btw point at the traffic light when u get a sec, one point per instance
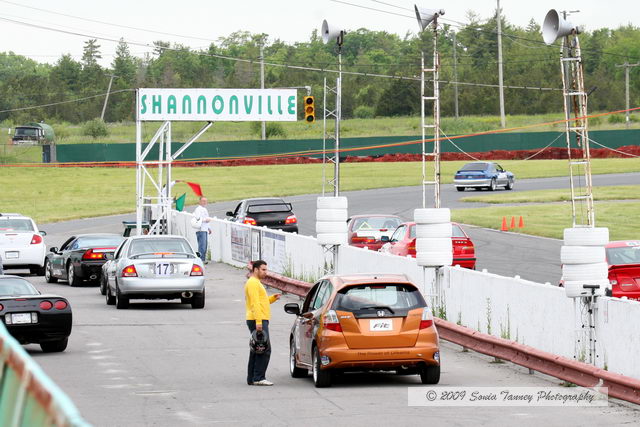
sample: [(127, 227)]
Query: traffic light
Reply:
[(309, 109)]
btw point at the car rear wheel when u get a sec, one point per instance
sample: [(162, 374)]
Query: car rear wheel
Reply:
[(48, 273), (72, 279), (111, 300), (430, 374), (321, 378), (36, 270), (103, 285), (493, 186), (293, 369), (460, 188), (54, 346), (197, 300), (509, 185), (121, 301)]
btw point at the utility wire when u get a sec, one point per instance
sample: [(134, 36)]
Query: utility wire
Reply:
[(65, 102)]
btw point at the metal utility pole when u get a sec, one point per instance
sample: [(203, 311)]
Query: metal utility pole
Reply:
[(455, 76), (264, 124), (626, 66), (106, 99), (500, 79)]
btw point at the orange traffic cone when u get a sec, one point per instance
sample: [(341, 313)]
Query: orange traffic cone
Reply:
[(513, 222), (521, 223), (504, 224)]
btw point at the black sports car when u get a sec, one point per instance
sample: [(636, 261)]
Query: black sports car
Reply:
[(80, 258), (31, 317), (268, 212)]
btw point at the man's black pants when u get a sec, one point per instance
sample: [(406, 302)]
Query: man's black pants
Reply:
[(258, 362)]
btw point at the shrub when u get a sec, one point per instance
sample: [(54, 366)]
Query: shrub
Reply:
[(616, 118), (363, 112), (272, 129), (95, 128)]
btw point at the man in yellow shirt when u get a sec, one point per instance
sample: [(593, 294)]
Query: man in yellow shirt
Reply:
[(258, 314)]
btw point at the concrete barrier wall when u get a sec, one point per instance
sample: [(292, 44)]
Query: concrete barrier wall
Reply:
[(618, 340)]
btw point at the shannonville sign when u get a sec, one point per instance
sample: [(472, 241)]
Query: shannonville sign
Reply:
[(216, 105)]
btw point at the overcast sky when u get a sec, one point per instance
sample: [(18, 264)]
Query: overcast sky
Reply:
[(203, 21)]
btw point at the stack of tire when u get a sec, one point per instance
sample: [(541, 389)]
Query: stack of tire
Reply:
[(433, 237), (584, 261), (331, 221)]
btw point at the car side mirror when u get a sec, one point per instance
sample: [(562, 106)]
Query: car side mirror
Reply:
[(385, 239), (198, 254), (229, 213), (53, 249), (292, 308), (43, 233)]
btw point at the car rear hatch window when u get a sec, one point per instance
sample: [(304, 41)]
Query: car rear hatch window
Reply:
[(379, 315), (160, 248), (269, 214), (15, 286), (100, 241), (624, 267), (15, 232), (374, 227)]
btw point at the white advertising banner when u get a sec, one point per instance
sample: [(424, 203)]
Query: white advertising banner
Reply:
[(236, 105)]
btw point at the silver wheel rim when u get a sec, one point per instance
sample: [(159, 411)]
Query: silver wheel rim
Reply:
[(292, 359), (315, 368), (70, 274), (47, 271), (493, 185)]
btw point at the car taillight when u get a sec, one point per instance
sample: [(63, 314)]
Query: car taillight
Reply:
[(411, 247), (331, 322), (46, 305), (93, 255), (1, 307), (358, 239), (196, 270), (291, 219), (427, 319), (60, 305), (130, 271), (36, 239), (249, 221)]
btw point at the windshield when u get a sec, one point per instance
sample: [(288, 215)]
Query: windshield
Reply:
[(26, 132), (474, 167), (457, 231), (269, 207), (15, 286), (160, 248), (393, 296), (99, 241), (624, 255), (375, 223), (10, 225)]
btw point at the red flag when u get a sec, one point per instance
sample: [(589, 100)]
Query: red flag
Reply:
[(195, 187)]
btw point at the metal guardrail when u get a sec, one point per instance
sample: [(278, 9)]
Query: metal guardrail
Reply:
[(28, 397), (573, 371)]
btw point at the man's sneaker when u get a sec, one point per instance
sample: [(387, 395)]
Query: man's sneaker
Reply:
[(262, 382)]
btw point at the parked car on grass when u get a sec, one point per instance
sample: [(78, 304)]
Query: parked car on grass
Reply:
[(80, 258), (487, 175), (623, 258), (367, 230), (361, 323), (403, 243), (155, 267), (21, 243), (31, 317), (272, 213)]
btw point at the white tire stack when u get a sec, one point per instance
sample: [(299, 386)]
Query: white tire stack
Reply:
[(433, 237), (584, 261), (331, 220)]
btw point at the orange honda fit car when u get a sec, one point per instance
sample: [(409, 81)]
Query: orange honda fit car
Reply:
[(360, 323)]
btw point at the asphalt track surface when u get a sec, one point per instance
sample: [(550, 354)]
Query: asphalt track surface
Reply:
[(165, 364), (504, 253)]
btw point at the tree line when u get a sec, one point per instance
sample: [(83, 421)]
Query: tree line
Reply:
[(527, 62)]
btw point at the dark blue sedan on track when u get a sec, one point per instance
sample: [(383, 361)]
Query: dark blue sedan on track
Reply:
[(487, 175)]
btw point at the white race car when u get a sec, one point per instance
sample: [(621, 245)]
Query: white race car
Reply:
[(21, 243)]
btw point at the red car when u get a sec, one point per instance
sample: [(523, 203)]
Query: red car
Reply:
[(367, 230), (623, 258), (403, 242)]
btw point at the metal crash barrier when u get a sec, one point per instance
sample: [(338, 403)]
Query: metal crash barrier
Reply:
[(28, 397)]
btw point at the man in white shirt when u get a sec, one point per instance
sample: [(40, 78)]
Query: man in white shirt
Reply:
[(202, 214)]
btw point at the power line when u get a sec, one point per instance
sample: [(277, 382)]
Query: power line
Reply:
[(255, 61), (64, 102), (106, 23)]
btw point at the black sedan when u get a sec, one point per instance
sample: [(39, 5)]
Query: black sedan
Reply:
[(80, 258), (272, 213), (31, 317)]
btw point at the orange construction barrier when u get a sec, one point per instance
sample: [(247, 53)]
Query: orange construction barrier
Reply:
[(521, 223), (513, 222), (504, 224)]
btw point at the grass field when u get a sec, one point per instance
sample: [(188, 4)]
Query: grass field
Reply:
[(614, 192), (55, 194), (622, 218), (67, 133)]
